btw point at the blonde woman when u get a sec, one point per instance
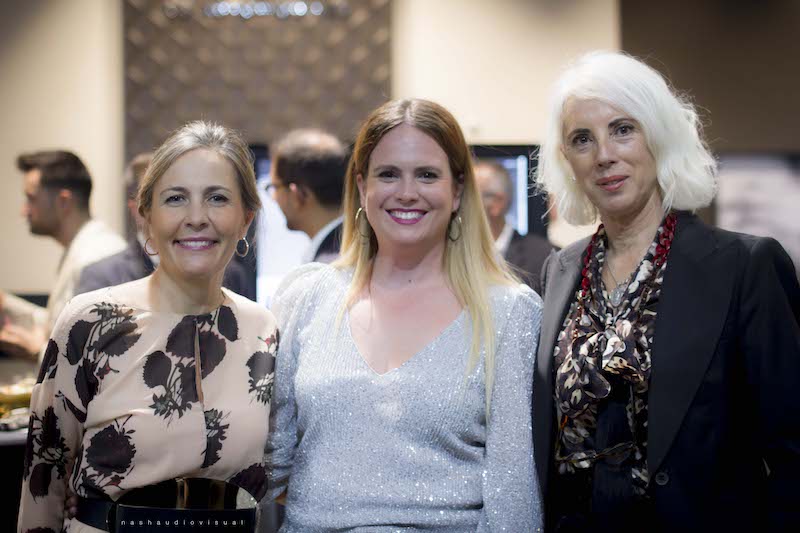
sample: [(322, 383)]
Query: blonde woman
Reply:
[(403, 381), (151, 392)]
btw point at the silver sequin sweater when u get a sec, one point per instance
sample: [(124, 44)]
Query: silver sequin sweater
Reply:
[(409, 450)]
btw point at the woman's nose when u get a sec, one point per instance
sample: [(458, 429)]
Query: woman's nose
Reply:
[(408, 189), (605, 153), (197, 216)]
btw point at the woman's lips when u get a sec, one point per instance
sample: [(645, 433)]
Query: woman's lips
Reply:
[(406, 216), (195, 245), (611, 183)]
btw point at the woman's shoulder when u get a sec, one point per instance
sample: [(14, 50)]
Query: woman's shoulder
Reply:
[(515, 298), (84, 304), (308, 283), (247, 309), (310, 276)]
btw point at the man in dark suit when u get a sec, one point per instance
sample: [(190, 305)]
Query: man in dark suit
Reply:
[(307, 182), (134, 262), (526, 254)]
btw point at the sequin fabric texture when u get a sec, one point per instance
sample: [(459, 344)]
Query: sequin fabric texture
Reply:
[(408, 450)]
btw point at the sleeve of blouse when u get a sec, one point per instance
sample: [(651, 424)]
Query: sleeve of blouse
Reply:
[(290, 307), (770, 332), (55, 429), (511, 497)]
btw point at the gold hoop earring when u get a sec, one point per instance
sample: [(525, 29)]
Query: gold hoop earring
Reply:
[(358, 226), (246, 247), (148, 251), (455, 222)]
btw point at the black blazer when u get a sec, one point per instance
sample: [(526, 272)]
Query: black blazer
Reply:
[(331, 243), (526, 254), (133, 263), (724, 406)]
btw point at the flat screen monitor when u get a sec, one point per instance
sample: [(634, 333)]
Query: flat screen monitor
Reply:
[(528, 207)]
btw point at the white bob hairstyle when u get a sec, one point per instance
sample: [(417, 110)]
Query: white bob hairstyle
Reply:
[(686, 170)]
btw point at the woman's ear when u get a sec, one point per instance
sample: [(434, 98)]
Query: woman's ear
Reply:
[(458, 191), (248, 219), (362, 189)]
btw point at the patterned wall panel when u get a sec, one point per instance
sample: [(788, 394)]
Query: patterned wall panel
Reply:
[(260, 67)]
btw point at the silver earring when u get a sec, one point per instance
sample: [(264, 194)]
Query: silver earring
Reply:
[(246, 247)]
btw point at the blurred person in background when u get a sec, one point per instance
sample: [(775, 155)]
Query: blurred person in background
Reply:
[(57, 189), (155, 394), (526, 254), (136, 261), (403, 380), (669, 364), (307, 182)]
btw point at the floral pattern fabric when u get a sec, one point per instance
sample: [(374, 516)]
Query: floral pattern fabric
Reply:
[(128, 397), (601, 347)]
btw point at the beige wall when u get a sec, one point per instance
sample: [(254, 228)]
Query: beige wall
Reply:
[(61, 65), (491, 62)]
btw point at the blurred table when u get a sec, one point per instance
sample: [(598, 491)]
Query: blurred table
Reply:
[(12, 446)]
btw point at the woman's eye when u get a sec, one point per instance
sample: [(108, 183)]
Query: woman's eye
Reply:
[(173, 199), (387, 174), (580, 140), (428, 176), (218, 199), (624, 129)]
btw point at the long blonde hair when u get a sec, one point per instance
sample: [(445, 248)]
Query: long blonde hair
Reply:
[(471, 263)]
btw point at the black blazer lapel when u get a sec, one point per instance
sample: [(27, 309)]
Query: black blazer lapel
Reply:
[(692, 310), (562, 272)]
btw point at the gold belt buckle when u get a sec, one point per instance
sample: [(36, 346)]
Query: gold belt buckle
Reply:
[(182, 493)]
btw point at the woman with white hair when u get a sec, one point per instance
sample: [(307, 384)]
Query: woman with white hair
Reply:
[(403, 379), (669, 363)]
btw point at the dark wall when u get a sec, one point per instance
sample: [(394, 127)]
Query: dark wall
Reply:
[(739, 59)]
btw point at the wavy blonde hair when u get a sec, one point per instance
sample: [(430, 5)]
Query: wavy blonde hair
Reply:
[(471, 264)]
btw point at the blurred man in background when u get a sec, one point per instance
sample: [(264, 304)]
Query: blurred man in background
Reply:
[(134, 262), (57, 189), (526, 254), (307, 180)]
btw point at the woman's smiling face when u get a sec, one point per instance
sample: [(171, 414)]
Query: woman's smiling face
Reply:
[(197, 216), (409, 193)]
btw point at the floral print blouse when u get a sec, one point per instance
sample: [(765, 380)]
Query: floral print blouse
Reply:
[(128, 397), (603, 355)]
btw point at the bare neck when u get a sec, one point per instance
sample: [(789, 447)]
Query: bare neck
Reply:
[(497, 225), (186, 297), (403, 270), (317, 218), (70, 226), (629, 237)]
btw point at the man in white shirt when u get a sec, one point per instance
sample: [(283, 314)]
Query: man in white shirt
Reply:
[(526, 254), (57, 190), (307, 181)]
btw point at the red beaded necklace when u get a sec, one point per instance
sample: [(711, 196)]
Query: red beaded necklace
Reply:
[(662, 250)]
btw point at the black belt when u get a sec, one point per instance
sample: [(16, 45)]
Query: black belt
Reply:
[(192, 505)]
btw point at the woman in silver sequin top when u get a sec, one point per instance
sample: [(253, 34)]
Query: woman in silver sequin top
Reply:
[(404, 373)]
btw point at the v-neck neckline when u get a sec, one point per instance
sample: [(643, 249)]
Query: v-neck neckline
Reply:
[(457, 320)]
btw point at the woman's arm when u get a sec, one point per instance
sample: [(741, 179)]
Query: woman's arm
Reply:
[(291, 309), (511, 497), (769, 317), (54, 433)]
